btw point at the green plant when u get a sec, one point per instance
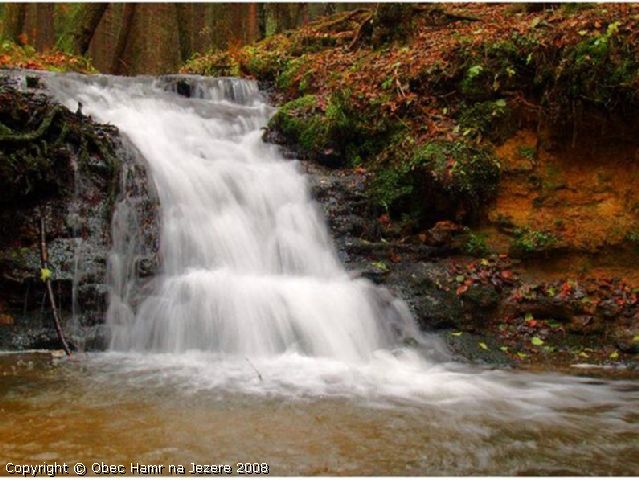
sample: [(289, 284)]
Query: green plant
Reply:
[(463, 169), (476, 245), (529, 241), (489, 118)]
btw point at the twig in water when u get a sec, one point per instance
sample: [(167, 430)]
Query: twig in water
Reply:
[(259, 375)]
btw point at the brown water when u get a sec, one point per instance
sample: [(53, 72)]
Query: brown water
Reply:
[(93, 409)]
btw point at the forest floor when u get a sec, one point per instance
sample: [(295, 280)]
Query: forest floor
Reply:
[(26, 57), (495, 152)]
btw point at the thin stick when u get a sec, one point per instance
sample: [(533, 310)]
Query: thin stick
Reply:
[(44, 260), (256, 370)]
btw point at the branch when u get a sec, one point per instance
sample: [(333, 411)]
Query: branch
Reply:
[(46, 277)]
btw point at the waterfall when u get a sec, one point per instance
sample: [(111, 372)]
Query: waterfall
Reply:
[(249, 294), (247, 265)]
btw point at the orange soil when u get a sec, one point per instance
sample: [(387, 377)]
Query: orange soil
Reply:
[(586, 196)]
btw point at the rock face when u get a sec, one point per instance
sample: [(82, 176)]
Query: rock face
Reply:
[(64, 167)]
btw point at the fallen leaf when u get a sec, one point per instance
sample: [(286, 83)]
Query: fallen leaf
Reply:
[(537, 342), (45, 274)]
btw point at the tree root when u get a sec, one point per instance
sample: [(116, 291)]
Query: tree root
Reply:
[(36, 134)]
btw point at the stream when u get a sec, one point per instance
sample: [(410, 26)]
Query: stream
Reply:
[(252, 343)]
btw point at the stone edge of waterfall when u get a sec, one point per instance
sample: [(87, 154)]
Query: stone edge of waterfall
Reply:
[(84, 182)]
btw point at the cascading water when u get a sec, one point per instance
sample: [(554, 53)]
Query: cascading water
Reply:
[(247, 265), (250, 295)]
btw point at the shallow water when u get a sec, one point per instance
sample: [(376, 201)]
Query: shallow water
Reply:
[(168, 409)]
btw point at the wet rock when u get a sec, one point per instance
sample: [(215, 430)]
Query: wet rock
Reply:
[(70, 173)]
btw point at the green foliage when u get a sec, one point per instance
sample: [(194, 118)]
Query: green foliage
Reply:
[(460, 170), (528, 241), (302, 122), (527, 152), (16, 56), (469, 83), (602, 70), (491, 119), (465, 170), (476, 245)]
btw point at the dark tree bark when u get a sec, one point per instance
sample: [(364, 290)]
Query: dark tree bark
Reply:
[(329, 8), (184, 16), (252, 30), (45, 34), (118, 66), (85, 22), (199, 33), (391, 21), (14, 21), (262, 14)]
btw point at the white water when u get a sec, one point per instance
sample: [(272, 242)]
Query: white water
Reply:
[(248, 267), (251, 296)]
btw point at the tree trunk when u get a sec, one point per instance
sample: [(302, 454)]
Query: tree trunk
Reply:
[(118, 67), (252, 30), (45, 35), (200, 40), (262, 14), (14, 21), (184, 15), (85, 22), (391, 21)]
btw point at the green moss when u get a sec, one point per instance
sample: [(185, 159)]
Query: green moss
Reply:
[(439, 175), (301, 122), (465, 170), (337, 130)]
